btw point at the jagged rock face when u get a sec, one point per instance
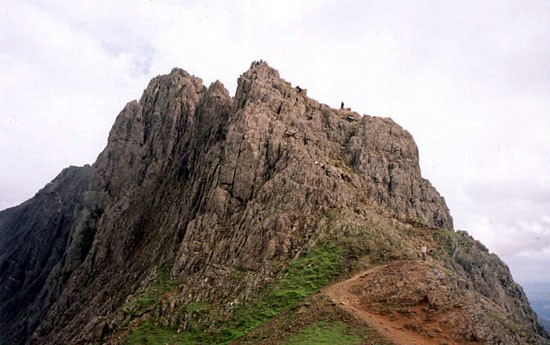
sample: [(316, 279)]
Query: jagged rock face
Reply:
[(492, 279), (197, 181), (43, 241)]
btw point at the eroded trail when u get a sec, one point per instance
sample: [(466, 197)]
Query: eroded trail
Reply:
[(400, 329)]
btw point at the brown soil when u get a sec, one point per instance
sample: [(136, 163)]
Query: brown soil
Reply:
[(317, 308), (377, 297)]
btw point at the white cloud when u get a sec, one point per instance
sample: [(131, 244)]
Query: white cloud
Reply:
[(57, 99)]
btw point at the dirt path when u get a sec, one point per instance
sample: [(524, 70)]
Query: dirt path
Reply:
[(393, 330)]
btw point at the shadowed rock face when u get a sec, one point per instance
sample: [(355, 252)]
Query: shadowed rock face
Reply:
[(193, 180)]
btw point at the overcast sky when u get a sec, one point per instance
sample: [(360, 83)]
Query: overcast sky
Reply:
[(469, 79)]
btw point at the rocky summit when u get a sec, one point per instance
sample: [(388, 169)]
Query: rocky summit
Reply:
[(263, 218)]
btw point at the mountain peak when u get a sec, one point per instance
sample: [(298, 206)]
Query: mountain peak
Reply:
[(261, 70), (202, 204), (261, 83)]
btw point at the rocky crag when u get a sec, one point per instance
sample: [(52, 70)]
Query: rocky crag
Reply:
[(207, 218)]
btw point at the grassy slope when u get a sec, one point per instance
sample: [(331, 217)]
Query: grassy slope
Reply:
[(303, 277), (320, 333), (288, 311)]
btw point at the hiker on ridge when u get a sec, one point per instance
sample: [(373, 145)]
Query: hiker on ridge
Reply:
[(424, 251)]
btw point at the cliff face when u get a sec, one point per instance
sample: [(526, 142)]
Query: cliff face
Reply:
[(196, 185)]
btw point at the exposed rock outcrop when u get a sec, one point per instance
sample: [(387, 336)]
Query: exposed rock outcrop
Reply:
[(197, 184)]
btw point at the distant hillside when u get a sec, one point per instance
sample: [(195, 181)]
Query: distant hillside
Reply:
[(266, 217), (545, 323), (539, 299), (542, 308)]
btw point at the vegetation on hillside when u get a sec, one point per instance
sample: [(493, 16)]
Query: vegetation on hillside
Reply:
[(303, 277), (321, 333)]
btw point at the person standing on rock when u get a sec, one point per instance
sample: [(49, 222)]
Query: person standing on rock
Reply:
[(424, 251)]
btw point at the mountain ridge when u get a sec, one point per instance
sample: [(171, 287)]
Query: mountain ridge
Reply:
[(199, 186)]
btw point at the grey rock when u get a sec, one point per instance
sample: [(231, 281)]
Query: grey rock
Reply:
[(201, 184)]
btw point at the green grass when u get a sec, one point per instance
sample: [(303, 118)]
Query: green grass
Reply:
[(303, 277), (148, 333), (508, 324), (321, 333), (446, 239), (162, 285)]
